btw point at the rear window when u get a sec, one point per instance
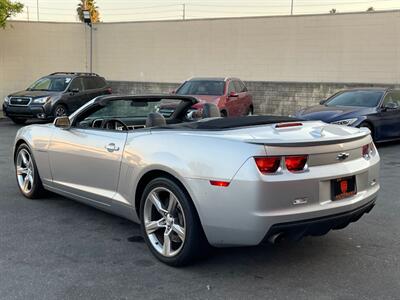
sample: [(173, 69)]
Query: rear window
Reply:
[(100, 82), (92, 83), (202, 87)]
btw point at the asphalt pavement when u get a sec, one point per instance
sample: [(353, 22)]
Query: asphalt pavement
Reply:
[(56, 248)]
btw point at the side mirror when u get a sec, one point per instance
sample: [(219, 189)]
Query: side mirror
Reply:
[(74, 91), (390, 106), (233, 95), (322, 102), (62, 122)]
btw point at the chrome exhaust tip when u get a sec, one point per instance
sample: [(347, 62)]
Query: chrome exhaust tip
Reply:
[(275, 238)]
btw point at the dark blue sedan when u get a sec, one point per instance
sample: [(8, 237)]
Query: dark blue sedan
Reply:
[(375, 108)]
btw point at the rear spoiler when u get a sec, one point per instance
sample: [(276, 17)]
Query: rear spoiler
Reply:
[(364, 132)]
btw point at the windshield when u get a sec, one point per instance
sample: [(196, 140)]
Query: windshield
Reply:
[(356, 98), (54, 84), (131, 109), (203, 87)]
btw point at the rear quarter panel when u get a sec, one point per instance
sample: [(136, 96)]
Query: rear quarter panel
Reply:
[(184, 155)]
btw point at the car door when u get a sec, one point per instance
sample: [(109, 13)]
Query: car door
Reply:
[(389, 116), (232, 100), (86, 162), (242, 105), (76, 95)]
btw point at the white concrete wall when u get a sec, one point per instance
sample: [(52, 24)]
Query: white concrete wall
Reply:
[(31, 50), (361, 48), (326, 48)]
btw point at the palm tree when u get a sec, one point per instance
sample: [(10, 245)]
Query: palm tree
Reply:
[(89, 5)]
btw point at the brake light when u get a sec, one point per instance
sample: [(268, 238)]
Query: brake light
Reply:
[(296, 163), (268, 164), (285, 125), (219, 183)]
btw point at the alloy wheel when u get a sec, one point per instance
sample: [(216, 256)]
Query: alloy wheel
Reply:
[(60, 111), (25, 171), (164, 222)]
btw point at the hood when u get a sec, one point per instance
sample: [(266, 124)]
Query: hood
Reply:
[(33, 94), (333, 113)]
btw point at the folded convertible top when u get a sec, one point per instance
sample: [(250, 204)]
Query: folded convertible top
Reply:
[(233, 122)]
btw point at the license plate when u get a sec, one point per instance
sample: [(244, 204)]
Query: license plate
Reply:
[(343, 187)]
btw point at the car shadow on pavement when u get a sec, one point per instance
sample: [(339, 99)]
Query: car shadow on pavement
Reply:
[(75, 213)]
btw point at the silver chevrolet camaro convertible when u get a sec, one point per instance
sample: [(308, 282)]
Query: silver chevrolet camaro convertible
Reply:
[(195, 180)]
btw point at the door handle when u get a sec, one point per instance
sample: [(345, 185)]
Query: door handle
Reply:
[(112, 147)]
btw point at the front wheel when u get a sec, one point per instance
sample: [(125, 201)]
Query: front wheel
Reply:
[(60, 110), (367, 125), (169, 223), (224, 114), (28, 178)]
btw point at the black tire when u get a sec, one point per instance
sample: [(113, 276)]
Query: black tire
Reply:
[(195, 241), (370, 127), (19, 121), (224, 114), (60, 110), (36, 191), (250, 111)]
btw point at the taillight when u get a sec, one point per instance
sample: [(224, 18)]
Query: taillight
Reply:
[(268, 164), (367, 150), (296, 163)]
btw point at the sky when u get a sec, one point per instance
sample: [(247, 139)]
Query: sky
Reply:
[(142, 10)]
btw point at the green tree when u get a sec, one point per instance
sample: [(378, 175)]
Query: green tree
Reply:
[(333, 11), (8, 9), (370, 9), (89, 5)]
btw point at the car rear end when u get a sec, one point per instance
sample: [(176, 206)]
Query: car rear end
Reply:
[(313, 178)]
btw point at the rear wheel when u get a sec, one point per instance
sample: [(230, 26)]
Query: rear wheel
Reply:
[(250, 111), (18, 120), (169, 223), (28, 178)]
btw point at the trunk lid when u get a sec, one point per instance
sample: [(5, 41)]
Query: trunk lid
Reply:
[(307, 134)]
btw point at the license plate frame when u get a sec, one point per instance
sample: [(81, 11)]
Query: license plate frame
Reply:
[(343, 187)]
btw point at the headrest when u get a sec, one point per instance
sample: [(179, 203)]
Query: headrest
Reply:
[(210, 110), (155, 119)]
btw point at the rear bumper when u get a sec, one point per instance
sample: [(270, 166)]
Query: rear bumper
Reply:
[(28, 112), (318, 226), (256, 206)]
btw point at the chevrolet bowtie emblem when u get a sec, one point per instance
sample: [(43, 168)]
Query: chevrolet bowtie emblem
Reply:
[(342, 156)]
